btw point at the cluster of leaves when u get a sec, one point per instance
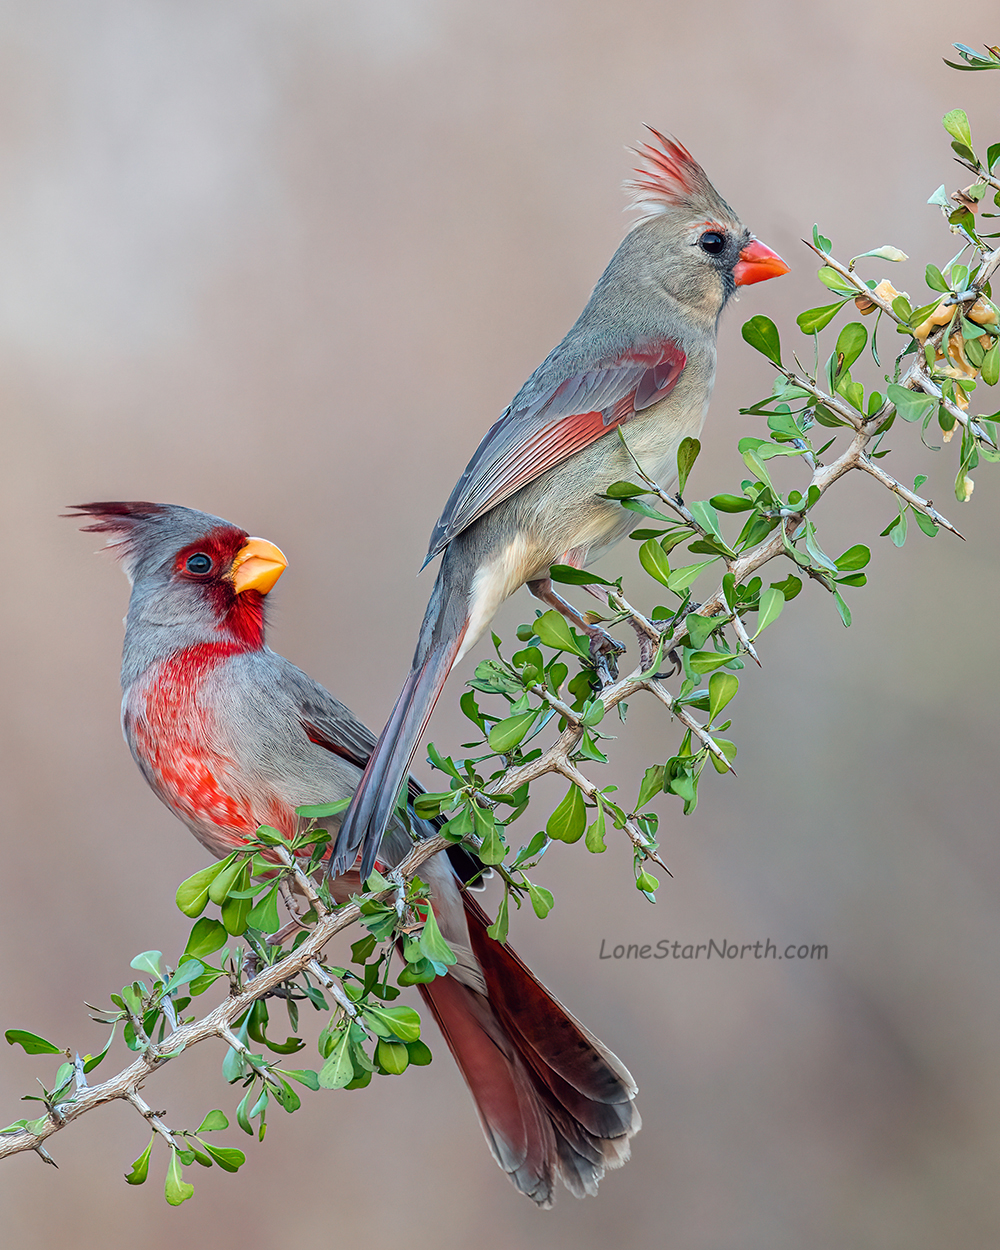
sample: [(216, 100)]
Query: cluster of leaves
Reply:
[(244, 888)]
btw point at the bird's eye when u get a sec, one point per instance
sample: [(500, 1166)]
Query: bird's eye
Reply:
[(198, 563), (712, 242)]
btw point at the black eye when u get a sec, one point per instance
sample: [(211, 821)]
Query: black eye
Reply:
[(712, 242), (198, 563)]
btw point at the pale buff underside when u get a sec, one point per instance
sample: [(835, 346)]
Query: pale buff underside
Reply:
[(590, 528)]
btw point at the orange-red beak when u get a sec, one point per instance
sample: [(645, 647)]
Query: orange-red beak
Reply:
[(757, 263)]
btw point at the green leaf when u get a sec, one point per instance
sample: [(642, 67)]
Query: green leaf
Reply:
[(432, 943), (835, 281), (265, 915), (687, 454), (338, 1070), (708, 519), (935, 279), (782, 424), (853, 558), (140, 1168), (731, 503), (842, 608), (568, 821), (305, 1076), (552, 629), (911, 405), (176, 1190), (790, 587), (815, 319), (728, 749), (214, 1122), (771, 603), (646, 882), (850, 344), (623, 490), (236, 910), (653, 559), (319, 811), (595, 833), (32, 1043), (991, 364), (420, 1055), (652, 784), (498, 929), (506, 734), (592, 714), (541, 899), (957, 125), (643, 509), (402, 1023), (762, 334), (700, 628), (189, 971), (722, 687), (232, 877), (680, 579), (536, 846), (925, 523), (492, 850), (90, 1062), (705, 661), (823, 244), (192, 894), (567, 574), (393, 1057), (227, 1157), (148, 961), (206, 937), (233, 1064), (886, 252)]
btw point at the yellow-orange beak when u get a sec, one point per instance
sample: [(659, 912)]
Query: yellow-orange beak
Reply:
[(757, 263), (257, 566)]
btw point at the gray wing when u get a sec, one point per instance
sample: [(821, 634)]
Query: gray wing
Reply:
[(548, 423), (332, 725)]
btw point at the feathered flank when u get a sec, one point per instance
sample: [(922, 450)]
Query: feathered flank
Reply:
[(670, 177)]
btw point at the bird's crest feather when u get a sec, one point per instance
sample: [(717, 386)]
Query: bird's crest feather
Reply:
[(669, 177)]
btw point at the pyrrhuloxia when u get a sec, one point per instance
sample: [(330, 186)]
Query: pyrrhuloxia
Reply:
[(641, 357), (232, 736)]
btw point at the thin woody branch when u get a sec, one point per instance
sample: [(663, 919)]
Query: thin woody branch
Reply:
[(217, 1023)]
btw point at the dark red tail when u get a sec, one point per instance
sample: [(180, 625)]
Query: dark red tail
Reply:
[(554, 1102)]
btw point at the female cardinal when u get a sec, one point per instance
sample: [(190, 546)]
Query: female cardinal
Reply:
[(640, 357), (232, 736)]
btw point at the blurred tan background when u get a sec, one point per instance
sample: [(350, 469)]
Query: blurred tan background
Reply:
[(285, 262)]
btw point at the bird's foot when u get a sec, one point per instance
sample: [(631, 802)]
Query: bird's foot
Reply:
[(604, 653)]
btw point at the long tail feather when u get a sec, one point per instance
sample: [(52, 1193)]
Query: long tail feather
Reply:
[(441, 634), (553, 1101)]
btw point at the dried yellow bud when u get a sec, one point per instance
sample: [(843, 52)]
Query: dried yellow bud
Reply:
[(885, 290), (964, 200), (939, 317), (983, 313)]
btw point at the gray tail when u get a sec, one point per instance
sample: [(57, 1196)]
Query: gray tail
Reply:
[(441, 634)]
